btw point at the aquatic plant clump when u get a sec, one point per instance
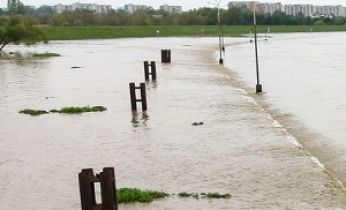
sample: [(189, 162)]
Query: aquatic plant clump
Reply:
[(33, 112), (65, 110), (45, 55), (130, 195), (78, 110), (216, 195)]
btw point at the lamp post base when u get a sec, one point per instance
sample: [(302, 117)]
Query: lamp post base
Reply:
[(258, 88), (220, 61)]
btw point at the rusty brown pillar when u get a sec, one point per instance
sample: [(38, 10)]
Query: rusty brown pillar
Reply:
[(87, 189), (133, 96)]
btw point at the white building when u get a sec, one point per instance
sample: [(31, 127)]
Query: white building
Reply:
[(131, 8), (171, 9), (242, 4), (271, 8), (329, 11), (299, 9), (97, 8)]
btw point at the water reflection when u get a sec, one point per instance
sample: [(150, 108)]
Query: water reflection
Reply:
[(151, 84), (20, 59), (139, 118)]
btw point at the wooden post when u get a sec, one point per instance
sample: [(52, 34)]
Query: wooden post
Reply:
[(87, 189), (146, 70), (107, 192), (111, 170), (166, 56), (134, 99), (143, 97), (133, 96), (153, 70)]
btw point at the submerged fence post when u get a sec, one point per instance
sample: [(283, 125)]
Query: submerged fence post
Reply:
[(133, 96), (134, 99), (87, 189), (146, 70), (87, 179), (166, 56), (152, 70)]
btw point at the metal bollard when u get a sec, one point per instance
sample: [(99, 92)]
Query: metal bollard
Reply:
[(134, 99), (152, 70), (166, 56)]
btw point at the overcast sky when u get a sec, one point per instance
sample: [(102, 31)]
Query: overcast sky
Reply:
[(187, 4)]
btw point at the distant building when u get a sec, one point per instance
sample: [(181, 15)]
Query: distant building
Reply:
[(305, 10), (171, 9), (329, 11), (131, 8), (97, 8), (271, 8)]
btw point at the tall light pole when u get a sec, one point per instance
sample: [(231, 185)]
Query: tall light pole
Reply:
[(221, 47), (258, 85)]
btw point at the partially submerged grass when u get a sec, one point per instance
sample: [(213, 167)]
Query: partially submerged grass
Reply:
[(130, 195), (65, 110), (45, 55), (216, 195), (187, 195), (33, 112), (78, 110)]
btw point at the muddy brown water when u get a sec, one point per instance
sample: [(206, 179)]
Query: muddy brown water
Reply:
[(241, 149)]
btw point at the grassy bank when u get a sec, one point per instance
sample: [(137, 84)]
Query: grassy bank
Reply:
[(107, 32)]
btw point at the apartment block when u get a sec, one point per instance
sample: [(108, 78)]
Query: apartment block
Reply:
[(171, 9), (97, 8), (132, 8)]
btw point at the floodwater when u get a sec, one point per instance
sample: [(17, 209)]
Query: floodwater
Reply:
[(242, 149), (303, 77)]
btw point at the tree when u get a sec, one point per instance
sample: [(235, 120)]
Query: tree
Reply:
[(15, 7), (18, 30)]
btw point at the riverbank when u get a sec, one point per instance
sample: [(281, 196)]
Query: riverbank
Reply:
[(108, 32)]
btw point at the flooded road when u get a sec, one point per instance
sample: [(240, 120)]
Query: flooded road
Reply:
[(240, 149), (304, 81)]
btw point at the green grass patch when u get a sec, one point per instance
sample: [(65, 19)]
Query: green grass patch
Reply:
[(110, 32), (130, 195), (33, 112), (45, 55), (65, 110), (78, 110)]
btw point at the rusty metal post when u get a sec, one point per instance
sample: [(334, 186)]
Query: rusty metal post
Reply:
[(153, 70), (166, 56), (133, 96), (114, 186), (107, 191), (146, 70), (143, 97), (87, 189)]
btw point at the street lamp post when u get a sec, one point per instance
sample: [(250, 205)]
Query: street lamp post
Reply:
[(258, 85), (221, 45)]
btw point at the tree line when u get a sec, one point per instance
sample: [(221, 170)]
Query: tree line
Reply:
[(202, 16)]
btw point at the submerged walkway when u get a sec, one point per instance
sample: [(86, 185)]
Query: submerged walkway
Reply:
[(239, 149)]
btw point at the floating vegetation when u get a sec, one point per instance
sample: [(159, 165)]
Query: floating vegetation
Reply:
[(78, 110), (65, 110), (131, 195), (187, 195), (204, 195), (33, 112), (197, 123), (216, 195), (45, 55)]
